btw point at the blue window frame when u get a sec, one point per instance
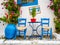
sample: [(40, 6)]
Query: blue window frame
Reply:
[(34, 2)]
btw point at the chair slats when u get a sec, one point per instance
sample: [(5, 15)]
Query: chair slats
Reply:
[(22, 21), (44, 31)]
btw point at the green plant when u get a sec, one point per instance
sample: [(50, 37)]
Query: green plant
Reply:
[(33, 12), (57, 25), (56, 7), (13, 12)]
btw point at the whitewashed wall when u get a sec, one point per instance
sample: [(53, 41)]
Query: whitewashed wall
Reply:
[(45, 12)]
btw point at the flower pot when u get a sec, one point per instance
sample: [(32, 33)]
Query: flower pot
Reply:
[(33, 20), (10, 31)]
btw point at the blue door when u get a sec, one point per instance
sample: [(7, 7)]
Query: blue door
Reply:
[(27, 2)]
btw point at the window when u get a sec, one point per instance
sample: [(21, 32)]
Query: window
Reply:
[(30, 0), (38, 11), (26, 1)]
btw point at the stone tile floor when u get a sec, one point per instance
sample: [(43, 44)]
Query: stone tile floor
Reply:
[(27, 38), (38, 38), (27, 42), (32, 41)]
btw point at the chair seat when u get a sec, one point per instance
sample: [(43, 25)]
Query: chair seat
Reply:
[(21, 27), (46, 27)]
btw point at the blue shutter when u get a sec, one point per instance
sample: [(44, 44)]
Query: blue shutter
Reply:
[(18, 2), (35, 2)]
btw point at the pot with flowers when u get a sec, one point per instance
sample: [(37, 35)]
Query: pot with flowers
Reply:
[(33, 14), (11, 18)]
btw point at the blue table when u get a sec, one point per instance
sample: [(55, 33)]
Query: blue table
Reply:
[(31, 24)]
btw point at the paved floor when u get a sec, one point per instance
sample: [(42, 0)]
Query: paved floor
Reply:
[(28, 42), (31, 41)]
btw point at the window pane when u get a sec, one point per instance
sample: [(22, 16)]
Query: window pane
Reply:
[(30, 0), (24, 1)]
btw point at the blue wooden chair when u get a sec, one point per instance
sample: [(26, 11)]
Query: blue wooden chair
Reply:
[(22, 22), (45, 30)]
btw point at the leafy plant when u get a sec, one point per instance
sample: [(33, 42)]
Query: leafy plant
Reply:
[(57, 26), (13, 12), (56, 7), (33, 12)]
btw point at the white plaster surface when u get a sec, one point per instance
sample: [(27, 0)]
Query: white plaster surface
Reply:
[(45, 12)]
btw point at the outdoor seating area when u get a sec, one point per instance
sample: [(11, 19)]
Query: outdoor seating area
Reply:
[(21, 29), (30, 21)]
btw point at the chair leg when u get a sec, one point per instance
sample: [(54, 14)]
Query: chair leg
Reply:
[(42, 34), (50, 36), (19, 32), (51, 33), (24, 34)]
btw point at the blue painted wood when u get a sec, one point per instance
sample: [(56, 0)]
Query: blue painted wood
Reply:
[(35, 2), (44, 32), (22, 21), (51, 33), (47, 20)]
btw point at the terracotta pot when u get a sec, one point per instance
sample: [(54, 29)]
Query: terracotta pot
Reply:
[(33, 20)]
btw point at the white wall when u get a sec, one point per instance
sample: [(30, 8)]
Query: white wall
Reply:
[(45, 12)]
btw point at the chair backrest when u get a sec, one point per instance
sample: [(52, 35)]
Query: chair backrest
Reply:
[(45, 21), (21, 21)]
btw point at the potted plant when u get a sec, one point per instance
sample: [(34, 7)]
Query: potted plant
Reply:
[(11, 18), (33, 14)]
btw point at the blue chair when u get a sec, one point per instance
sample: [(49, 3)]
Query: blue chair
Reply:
[(47, 31), (22, 22)]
